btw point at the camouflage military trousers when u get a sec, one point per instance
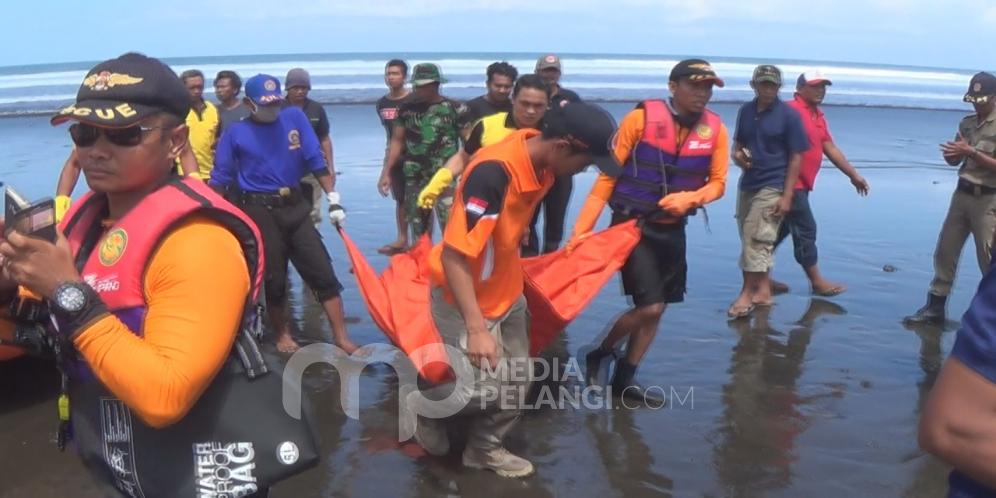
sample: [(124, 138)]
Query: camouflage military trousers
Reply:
[(420, 220)]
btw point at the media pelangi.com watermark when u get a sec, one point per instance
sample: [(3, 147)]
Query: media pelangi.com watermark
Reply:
[(511, 384)]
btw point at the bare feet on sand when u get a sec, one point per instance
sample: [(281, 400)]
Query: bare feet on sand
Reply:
[(778, 287), (287, 344), (346, 345)]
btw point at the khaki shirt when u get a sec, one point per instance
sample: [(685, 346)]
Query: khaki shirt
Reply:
[(982, 136)]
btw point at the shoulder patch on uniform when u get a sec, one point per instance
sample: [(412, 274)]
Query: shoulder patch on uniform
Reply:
[(477, 206)]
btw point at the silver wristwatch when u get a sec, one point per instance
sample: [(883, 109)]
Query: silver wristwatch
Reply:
[(71, 297)]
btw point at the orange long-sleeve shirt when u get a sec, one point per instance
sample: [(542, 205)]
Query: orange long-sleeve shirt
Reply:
[(629, 134), (196, 284)]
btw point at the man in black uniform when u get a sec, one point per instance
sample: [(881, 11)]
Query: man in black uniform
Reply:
[(501, 77), (298, 84), (554, 205)]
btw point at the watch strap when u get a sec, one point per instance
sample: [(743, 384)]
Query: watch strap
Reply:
[(73, 323)]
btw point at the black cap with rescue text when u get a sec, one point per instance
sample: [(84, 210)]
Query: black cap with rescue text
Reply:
[(695, 70), (121, 92)]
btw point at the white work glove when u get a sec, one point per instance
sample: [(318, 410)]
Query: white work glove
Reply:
[(337, 215)]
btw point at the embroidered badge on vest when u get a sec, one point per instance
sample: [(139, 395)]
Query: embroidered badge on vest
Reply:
[(113, 247)]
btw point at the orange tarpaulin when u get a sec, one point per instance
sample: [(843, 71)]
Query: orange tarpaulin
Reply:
[(398, 302), (558, 286)]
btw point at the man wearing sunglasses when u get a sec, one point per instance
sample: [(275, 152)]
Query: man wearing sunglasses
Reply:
[(260, 161), (973, 204), (150, 324)]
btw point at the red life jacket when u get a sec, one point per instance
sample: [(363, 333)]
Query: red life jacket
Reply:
[(657, 166), (115, 268), (116, 265)]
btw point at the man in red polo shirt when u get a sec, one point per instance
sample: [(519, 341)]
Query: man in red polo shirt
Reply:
[(811, 88)]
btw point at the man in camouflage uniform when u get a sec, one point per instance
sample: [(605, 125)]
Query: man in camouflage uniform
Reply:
[(426, 134)]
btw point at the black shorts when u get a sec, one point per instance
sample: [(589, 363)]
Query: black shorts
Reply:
[(288, 233), (398, 183), (656, 270)]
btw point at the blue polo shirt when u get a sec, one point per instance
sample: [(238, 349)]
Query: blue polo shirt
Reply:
[(263, 157), (771, 136), (975, 347)]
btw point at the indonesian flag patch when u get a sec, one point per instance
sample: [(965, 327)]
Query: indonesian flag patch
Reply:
[(477, 206)]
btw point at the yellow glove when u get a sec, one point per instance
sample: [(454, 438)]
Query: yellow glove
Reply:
[(679, 203), (427, 197), (62, 203)]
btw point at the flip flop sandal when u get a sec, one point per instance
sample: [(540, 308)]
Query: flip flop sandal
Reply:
[(740, 312), (836, 291)]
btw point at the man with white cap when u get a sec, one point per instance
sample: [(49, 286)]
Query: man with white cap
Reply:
[(810, 90)]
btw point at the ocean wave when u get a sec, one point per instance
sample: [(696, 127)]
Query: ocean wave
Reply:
[(357, 80)]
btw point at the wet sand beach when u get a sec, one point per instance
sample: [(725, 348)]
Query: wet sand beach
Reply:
[(812, 397)]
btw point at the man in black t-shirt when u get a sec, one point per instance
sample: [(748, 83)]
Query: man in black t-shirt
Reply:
[(554, 205), (395, 74), (549, 68), (298, 84), (227, 85), (501, 77)]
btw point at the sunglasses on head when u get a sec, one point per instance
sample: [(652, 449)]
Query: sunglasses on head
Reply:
[(85, 135)]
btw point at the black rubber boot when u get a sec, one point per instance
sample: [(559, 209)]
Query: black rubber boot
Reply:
[(931, 313), (624, 384), (597, 363)]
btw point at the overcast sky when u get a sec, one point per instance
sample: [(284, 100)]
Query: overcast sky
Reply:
[(957, 33)]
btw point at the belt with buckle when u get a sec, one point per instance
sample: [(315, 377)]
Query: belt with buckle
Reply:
[(284, 196), (974, 189)]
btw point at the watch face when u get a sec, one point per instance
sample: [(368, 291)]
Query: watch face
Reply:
[(70, 298)]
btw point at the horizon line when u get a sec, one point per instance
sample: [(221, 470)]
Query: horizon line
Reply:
[(402, 54)]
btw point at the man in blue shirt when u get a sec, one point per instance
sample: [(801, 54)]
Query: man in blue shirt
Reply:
[(768, 146), (958, 422), (260, 162)]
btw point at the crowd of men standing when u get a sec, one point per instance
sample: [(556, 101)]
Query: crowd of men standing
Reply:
[(517, 147)]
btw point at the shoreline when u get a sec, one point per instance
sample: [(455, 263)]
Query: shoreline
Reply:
[(30, 114)]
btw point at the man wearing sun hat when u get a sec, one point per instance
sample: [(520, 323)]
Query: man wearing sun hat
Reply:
[(810, 90), (973, 204), (675, 158), (260, 161), (426, 134)]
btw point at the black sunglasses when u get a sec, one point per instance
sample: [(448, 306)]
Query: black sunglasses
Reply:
[(85, 135)]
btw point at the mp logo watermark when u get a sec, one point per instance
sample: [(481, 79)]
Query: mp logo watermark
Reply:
[(506, 385)]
